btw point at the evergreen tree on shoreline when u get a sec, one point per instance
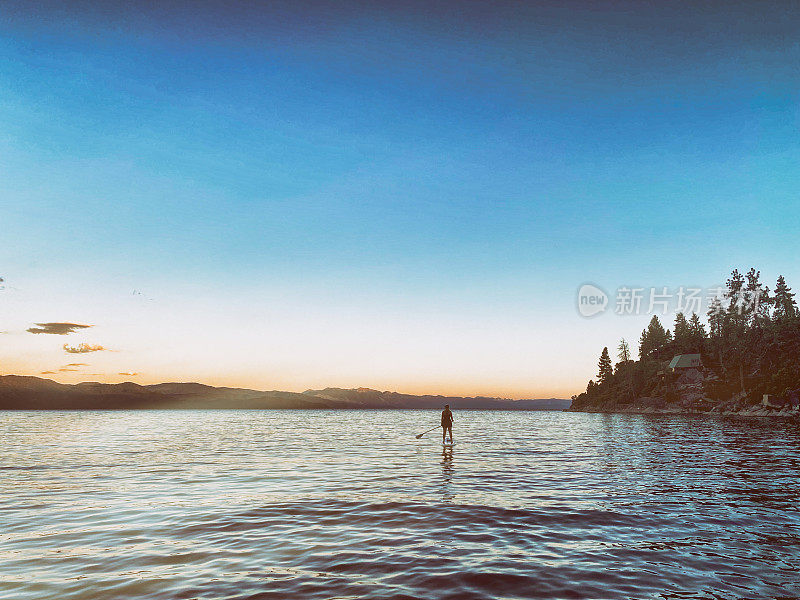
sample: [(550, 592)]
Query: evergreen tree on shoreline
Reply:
[(624, 351), (697, 334), (681, 337), (783, 301), (653, 338), (757, 298), (605, 371)]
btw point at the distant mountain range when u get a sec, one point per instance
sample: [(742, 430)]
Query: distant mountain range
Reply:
[(34, 393)]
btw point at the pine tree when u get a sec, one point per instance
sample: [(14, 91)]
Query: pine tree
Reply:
[(733, 342), (716, 318), (735, 285), (697, 334), (624, 351), (653, 338), (604, 367), (757, 298), (785, 306), (696, 327), (644, 345), (681, 328)]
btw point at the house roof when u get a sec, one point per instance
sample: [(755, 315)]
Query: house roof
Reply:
[(682, 361)]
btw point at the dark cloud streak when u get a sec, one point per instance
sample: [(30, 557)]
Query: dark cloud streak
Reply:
[(57, 328)]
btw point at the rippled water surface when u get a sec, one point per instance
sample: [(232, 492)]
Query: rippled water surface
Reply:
[(348, 504)]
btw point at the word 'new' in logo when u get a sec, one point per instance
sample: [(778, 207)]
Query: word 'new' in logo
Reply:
[(591, 300)]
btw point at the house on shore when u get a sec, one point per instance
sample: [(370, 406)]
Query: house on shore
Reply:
[(682, 362)]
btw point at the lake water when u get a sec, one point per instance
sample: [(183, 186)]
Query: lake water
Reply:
[(348, 504)]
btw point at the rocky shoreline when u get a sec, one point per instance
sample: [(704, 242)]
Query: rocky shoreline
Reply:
[(684, 391), (722, 410)]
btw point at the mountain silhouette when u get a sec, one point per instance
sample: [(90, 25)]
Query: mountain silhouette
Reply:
[(19, 392)]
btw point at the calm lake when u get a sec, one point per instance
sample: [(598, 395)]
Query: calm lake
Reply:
[(348, 504)]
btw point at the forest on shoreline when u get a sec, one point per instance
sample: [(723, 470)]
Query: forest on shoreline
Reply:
[(749, 347)]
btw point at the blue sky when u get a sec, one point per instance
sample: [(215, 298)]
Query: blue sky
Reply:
[(441, 178)]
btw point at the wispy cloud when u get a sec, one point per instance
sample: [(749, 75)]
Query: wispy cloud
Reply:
[(73, 367), (57, 328), (129, 374), (47, 373), (82, 348)]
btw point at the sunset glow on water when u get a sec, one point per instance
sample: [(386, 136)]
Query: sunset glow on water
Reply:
[(348, 504)]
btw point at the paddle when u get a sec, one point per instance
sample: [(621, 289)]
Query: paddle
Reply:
[(424, 432)]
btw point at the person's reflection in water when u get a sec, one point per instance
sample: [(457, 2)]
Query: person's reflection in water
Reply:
[(447, 475)]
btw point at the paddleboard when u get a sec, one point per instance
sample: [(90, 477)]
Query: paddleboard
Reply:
[(448, 444)]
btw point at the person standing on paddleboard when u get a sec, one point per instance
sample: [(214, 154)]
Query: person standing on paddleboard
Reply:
[(447, 423)]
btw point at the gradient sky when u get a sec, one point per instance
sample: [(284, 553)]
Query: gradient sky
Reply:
[(401, 196)]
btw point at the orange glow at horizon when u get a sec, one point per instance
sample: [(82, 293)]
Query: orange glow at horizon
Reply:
[(433, 388), (249, 338)]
